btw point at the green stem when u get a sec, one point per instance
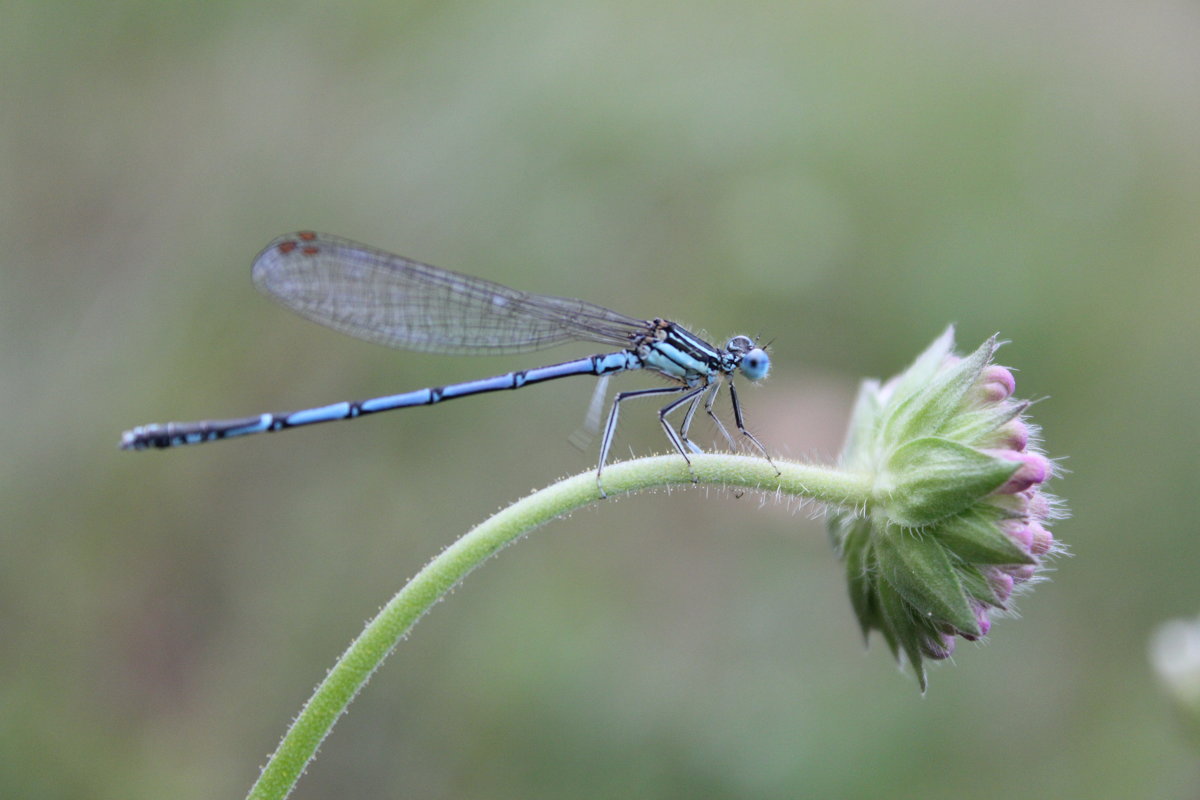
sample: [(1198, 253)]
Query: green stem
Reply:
[(382, 634)]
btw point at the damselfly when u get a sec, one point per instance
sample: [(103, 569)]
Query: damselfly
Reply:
[(385, 298)]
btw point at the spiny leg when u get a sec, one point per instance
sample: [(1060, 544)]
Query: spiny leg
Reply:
[(710, 391), (687, 424), (708, 407), (741, 426), (676, 439), (610, 427)]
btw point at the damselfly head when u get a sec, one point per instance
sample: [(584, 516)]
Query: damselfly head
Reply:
[(752, 361)]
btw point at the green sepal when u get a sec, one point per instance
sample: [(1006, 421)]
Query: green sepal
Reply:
[(863, 425), (839, 524), (883, 622), (925, 367), (925, 411), (931, 478), (977, 424), (860, 574), (916, 565), (904, 632), (976, 538), (978, 586)]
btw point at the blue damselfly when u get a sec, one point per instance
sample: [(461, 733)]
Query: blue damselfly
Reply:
[(385, 298)]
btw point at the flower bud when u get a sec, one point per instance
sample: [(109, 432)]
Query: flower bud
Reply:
[(1013, 435), (1043, 541), (1032, 468), (996, 384), (956, 515)]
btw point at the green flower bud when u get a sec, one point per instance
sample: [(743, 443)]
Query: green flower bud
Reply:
[(956, 515)]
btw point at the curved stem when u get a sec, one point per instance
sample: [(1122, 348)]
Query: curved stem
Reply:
[(393, 622)]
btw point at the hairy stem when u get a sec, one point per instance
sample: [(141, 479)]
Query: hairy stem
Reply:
[(384, 632)]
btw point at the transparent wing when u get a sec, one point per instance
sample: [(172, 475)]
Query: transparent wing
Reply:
[(385, 298)]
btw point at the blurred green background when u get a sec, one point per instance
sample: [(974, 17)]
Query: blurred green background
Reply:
[(843, 179)]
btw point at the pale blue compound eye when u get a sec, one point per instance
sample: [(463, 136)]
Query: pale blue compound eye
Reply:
[(756, 364)]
